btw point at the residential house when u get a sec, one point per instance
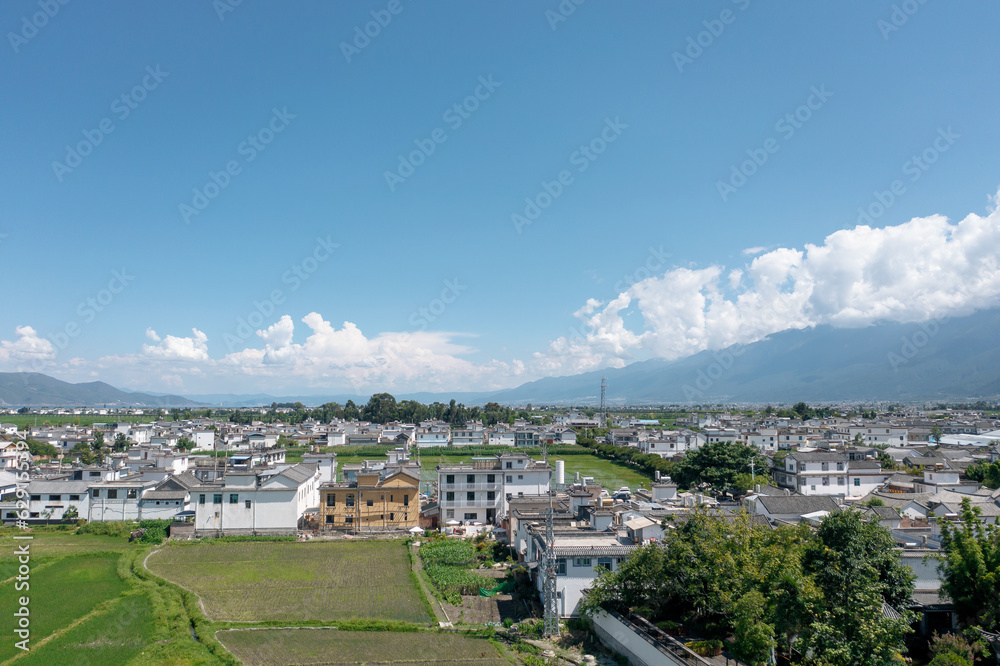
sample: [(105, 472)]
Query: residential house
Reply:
[(813, 473), (383, 499)]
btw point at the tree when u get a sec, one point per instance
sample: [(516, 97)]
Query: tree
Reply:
[(969, 567), (381, 408), (98, 444), (855, 564), (72, 513), (41, 449), (953, 650), (936, 434), (84, 453), (185, 444), (718, 464), (120, 444)]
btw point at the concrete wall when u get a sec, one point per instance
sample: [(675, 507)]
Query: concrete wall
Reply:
[(627, 639)]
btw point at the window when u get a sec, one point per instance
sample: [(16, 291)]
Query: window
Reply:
[(825, 466), (449, 496), (857, 482), (520, 477), (392, 517), (450, 513), (471, 496), (36, 498), (329, 519), (331, 499), (348, 520), (490, 496), (390, 498), (74, 498), (840, 467), (491, 478), (406, 500), (840, 480), (247, 504), (132, 493), (471, 516), (581, 562), (510, 479), (112, 493), (217, 498), (449, 478), (349, 502), (55, 498), (510, 465), (201, 498), (234, 498), (470, 478), (370, 502), (604, 562), (826, 480), (561, 566)]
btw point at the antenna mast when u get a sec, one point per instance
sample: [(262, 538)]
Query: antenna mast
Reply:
[(549, 592)]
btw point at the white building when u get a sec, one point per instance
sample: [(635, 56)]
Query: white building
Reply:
[(479, 491), (813, 473), (252, 502)]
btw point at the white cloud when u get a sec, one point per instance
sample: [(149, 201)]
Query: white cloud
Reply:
[(27, 349), (173, 348), (751, 251), (925, 268)]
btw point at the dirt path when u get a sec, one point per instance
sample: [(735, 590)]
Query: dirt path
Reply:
[(439, 612)]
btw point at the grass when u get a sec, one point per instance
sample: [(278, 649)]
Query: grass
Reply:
[(296, 582), (610, 474), (48, 546), (59, 595), (326, 646), (22, 421), (112, 637)]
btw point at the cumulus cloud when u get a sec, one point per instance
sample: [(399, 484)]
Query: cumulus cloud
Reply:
[(925, 268), (330, 355), (173, 348), (27, 348)]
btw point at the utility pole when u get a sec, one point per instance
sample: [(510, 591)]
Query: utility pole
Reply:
[(549, 592)]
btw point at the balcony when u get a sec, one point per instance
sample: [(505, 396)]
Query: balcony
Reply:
[(472, 486), (464, 503)]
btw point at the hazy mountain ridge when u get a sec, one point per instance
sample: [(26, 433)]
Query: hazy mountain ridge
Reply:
[(33, 389)]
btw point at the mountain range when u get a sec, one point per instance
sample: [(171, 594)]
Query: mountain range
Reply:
[(954, 359)]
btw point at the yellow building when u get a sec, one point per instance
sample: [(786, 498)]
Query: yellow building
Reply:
[(382, 498)]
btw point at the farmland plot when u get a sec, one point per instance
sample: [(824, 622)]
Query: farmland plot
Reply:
[(328, 646), (289, 581)]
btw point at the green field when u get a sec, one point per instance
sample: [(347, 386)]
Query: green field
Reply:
[(289, 581), (326, 646), (22, 421), (612, 475), (48, 546), (110, 638), (59, 595)]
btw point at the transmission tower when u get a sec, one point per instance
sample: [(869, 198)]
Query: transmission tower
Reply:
[(549, 584), (604, 401)]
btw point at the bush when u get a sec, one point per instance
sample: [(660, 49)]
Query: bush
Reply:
[(114, 529)]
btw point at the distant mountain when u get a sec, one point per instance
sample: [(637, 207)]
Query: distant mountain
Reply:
[(956, 359), (33, 389)]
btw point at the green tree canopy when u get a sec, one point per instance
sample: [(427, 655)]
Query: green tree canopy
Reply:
[(969, 566), (718, 464)]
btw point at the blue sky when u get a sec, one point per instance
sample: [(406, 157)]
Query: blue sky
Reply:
[(440, 286)]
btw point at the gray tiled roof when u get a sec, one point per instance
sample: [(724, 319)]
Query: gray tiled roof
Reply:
[(798, 504)]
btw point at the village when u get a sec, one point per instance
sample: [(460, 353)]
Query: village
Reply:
[(508, 484)]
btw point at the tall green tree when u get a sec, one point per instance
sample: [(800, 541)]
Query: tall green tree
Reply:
[(969, 566), (857, 567), (718, 464)]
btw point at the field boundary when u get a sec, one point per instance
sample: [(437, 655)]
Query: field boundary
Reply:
[(201, 604), (96, 610)]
